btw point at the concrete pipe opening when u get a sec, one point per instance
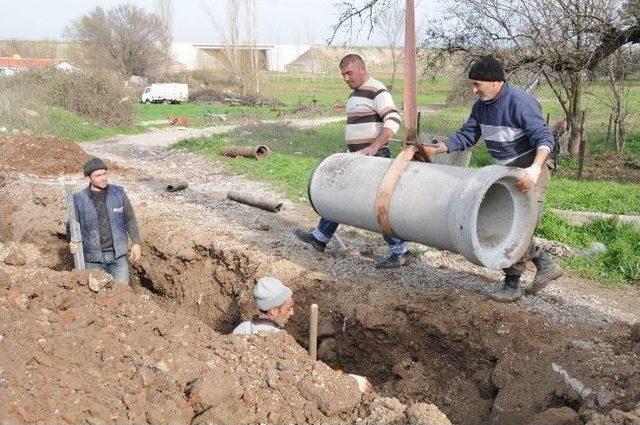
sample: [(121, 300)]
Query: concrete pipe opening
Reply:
[(261, 152), (495, 216)]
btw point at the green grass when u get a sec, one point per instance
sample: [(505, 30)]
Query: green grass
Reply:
[(609, 197), (196, 113), (68, 125), (285, 170), (619, 264)]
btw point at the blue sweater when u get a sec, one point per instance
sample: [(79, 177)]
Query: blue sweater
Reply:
[(511, 126)]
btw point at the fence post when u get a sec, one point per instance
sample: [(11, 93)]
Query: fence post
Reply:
[(581, 152), (606, 141)]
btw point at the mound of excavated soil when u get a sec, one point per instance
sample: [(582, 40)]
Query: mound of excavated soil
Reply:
[(79, 349), (44, 156)]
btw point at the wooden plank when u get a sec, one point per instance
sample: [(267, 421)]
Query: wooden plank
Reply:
[(74, 226)]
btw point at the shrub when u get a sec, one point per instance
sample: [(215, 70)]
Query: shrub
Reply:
[(98, 98)]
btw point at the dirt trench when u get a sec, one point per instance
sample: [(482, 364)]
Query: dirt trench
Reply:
[(479, 361)]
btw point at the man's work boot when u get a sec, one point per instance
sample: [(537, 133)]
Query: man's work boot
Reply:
[(393, 261), (510, 291), (546, 271), (307, 237)]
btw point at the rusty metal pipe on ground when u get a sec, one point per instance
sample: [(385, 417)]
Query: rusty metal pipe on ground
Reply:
[(254, 200), (257, 152), (478, 213), (175, 186)]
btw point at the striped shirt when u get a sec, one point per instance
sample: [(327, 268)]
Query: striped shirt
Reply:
[(369, 109)]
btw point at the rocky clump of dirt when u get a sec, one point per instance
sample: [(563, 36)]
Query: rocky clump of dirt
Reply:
[(75, 355), (34, 216), (44, 156)]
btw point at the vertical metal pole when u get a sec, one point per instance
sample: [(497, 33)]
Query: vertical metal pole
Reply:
[(410, 86), (313, 332), (74, 228)]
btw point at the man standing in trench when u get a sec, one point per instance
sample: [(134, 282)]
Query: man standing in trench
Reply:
[(372, 120), (106, 217), (511, 124)]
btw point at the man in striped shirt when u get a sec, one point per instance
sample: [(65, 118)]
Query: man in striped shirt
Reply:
[(372, 120), (511, 124)]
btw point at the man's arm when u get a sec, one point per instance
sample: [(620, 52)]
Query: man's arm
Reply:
[(380, 141), (536, 129), (132, 230), (466, 137)]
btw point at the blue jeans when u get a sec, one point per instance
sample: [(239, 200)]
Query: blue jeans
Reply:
[(326, 228), (118, 268)]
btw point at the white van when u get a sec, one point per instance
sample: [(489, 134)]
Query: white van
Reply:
[(165, 92)]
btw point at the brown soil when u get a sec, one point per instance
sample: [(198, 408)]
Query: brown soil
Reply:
[(45, 156), (72, 355), (155, 352)]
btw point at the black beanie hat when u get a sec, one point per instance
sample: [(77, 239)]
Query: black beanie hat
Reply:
[(487, 68), (92, 165)]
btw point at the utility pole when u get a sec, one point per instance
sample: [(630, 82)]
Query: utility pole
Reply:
[(410, 85)]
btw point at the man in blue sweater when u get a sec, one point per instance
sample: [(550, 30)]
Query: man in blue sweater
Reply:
[(511, 124)]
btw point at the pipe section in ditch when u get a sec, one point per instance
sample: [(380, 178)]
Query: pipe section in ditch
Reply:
[(478, 213)]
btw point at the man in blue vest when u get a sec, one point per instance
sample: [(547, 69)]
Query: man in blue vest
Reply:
[(510, 122), (106, 218)]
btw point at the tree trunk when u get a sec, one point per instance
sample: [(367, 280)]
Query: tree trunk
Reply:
[(574, 119), (393, 73)]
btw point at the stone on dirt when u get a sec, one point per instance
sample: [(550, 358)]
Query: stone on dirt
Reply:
[(98, 280), (556, 416), (217, 395), (425, 414), (336, 396), (5, 280), (15, 256), (635, 332), (386, 411)]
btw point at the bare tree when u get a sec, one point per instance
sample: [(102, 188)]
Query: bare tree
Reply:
[(616, 67), (125, 39), (356, 16), (390, 23), (560, 39), (164, 11), (239, 38)]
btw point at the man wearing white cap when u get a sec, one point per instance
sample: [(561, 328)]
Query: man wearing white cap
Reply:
[(275, 303)]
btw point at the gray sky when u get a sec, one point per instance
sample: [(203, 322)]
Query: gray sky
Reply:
[(279, 21)]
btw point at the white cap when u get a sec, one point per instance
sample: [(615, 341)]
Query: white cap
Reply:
[(270, 293)]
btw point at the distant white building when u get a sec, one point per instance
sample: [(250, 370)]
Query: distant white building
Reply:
[(271, 57)]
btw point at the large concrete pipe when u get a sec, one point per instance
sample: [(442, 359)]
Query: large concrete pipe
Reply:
[(476, 212)]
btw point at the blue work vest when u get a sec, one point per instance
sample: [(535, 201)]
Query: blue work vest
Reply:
[(90, 228)]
